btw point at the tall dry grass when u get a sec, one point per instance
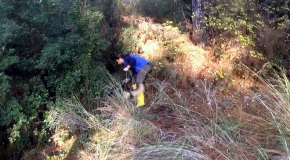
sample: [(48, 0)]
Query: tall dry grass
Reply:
[(127, 132), (277, 102)]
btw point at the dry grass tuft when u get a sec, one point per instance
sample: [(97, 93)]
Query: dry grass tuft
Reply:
[(179, 131)]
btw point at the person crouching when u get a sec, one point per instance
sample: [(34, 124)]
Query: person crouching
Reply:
[(140, 67)]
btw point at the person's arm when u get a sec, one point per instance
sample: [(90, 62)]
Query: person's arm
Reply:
[(127, 68), (131, 61)]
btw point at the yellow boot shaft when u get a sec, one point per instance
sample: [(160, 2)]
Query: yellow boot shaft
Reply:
[(140, 97), (140, 100)]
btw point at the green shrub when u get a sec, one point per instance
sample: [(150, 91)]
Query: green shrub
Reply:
[(157, 9), (39, 61)]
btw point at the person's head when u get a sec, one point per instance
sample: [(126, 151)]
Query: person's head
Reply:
[(120, 59)]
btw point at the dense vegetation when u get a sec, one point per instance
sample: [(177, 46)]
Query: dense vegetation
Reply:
[(61, 49)]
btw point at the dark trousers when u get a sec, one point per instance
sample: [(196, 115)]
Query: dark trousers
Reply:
[(141, 75)]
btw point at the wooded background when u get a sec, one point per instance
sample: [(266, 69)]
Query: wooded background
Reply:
[(52, 49)]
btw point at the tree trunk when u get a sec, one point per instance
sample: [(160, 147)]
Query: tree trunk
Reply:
[(196, 10)]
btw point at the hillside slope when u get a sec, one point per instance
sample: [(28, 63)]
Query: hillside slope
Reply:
[(198, 106)]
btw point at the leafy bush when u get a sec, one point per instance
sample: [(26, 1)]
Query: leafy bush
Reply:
[(157, 9), (48, 49), (259, 28)]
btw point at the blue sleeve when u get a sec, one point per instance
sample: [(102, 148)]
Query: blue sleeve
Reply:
[(130, 60)]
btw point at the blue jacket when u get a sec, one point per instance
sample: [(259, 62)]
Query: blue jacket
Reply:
[(136, 62)]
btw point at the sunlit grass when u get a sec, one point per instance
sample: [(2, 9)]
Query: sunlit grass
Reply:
[(126, 132), (277, 102)]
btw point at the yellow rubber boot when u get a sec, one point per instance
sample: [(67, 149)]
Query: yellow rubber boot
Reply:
[(140, 97), (140, 100)]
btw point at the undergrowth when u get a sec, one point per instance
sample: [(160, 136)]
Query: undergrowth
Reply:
[(122, 131)]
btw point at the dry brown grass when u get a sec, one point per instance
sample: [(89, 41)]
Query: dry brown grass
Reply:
[(174, 56), (203, 106)]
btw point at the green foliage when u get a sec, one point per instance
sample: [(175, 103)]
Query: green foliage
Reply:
[(18, 109), (53, 49), (10, 109), (157, 9), (49, 49), (70, 61), (261, 27), (128, 39), (237, 19), (274, 39)]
